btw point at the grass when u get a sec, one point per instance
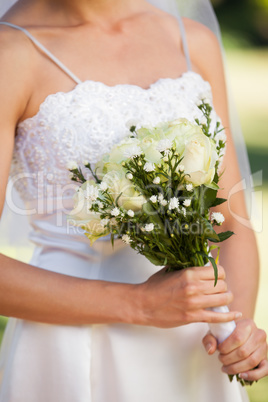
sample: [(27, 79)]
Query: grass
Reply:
[(3, 322), (249, 80)]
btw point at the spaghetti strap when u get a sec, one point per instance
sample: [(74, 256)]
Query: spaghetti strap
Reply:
[(73, 76), (44, 50), (184, 43)]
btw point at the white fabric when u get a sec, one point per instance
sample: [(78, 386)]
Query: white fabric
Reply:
[(5, 5), (100, 363)]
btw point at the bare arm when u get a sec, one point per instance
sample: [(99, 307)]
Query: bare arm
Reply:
[(239, 254), (246, 348)]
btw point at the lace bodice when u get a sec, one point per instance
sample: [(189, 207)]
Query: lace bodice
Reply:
[(86, 122)]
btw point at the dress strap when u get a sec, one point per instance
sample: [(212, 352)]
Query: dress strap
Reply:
[(44, 50), (185, 43)]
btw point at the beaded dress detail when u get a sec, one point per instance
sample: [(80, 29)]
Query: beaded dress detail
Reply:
[(87, 121)]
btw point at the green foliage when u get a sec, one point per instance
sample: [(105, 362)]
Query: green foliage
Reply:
[(246, 20)]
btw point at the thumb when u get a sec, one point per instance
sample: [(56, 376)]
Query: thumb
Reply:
[(210, 343)]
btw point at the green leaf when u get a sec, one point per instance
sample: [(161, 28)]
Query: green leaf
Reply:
[(211, 259), (208, 196), (116, 201), (225, 235), (218, 201), (153, 259), (208, 231), (213, 186), (112, 239), (213, 263)]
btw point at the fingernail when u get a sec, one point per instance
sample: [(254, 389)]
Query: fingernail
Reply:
[(243, 376), (208, 347), (238, 315)]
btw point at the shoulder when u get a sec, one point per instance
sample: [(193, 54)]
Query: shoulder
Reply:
[(204, 47), (12, 42), (199, 32), (162, 21), (201, 40), (15, 66)]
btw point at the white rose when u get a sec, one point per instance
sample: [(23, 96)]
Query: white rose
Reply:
[(199, 160), (156, 180), (119, 185), (87, 220), (123, 150), (132, 151)]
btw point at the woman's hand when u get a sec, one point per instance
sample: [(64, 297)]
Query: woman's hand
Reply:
[(244, 350), (182, 297)]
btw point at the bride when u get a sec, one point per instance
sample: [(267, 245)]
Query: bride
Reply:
[(97, 324)]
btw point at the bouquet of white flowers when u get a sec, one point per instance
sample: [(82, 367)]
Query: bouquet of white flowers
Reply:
[(154, 190)]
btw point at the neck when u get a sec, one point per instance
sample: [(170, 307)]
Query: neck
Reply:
[(101, 12)]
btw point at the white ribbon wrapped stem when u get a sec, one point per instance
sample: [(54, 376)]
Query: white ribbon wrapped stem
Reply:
[(223, 330)]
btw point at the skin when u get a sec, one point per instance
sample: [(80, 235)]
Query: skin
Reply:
[(124, 56)]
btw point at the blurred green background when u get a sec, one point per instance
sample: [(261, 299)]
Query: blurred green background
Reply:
[(244, 26)]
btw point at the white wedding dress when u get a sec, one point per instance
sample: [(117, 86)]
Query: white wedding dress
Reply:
[(99, 363)]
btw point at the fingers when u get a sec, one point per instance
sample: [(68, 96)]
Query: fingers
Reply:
[(204, 273), (247, 364), (210, 343), (238, 338), (256, 374), (212, 317), (207, 287), (208, 301), (244, 350), (169, 299), (242, 367)]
